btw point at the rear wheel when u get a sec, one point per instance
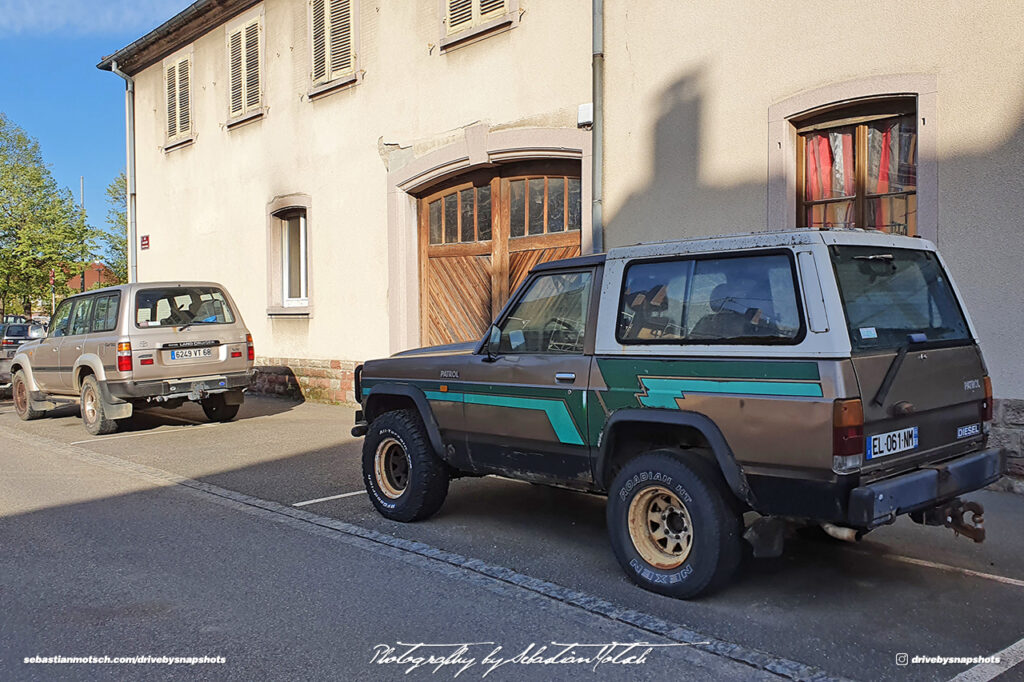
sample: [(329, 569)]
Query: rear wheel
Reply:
[(671, 525), (405, 479), (22, 403), (94, 415), (217, 409)]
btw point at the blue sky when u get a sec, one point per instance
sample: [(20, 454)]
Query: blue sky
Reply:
[(50, 86)]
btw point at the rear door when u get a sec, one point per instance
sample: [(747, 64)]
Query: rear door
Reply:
[(919, 368), (185, 331), (74, 343)]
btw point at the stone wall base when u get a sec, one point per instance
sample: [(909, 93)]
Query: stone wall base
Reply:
[(1008, 432), (322, 381)]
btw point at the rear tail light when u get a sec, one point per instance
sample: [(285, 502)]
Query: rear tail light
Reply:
[(986, 407), (124, 357), (248, 344), (847, 436)]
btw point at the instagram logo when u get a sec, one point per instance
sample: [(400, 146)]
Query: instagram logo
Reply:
[(901, 659)]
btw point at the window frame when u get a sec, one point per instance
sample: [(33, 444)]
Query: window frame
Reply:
[(248, 112), (278, 211), (115, 298), (52, 331), (179, 139), (79, 302), (302, 300), (858, 114), (769, 341), (478, 27), (336, 80)]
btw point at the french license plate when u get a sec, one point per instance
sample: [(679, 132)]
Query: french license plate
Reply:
[(191, 353), (892, 442)]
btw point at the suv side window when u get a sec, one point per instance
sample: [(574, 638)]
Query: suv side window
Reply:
[(104, 314), (731, 299), (551, 317), (59, 325), (80, 319)]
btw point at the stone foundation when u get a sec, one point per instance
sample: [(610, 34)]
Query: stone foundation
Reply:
[(322, 381), (1008, 432)]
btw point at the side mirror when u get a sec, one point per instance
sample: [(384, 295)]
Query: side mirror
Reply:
[(493, 343)]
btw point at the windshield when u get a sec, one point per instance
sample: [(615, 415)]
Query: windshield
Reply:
[(180, 306), (891, 294)]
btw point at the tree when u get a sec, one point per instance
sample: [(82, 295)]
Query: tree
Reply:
[(115, 237), (41, 227)]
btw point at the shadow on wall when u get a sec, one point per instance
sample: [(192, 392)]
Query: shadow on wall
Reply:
[(980, 208)]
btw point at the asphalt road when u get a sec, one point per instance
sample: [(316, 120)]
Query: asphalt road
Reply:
[(193, 575)]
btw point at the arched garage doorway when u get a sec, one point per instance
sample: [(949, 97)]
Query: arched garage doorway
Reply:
[(481, 232)]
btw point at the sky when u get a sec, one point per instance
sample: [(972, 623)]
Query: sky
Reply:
[(50, 86)]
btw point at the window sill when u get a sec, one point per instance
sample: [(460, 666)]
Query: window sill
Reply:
[(336, 85), (468, 36), (296, 312), (179, 144), (246, 118)]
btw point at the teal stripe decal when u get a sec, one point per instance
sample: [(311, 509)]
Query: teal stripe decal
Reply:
[(556, 411), (662, 392)]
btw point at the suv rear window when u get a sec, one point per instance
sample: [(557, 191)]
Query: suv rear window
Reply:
[(890, 294), (176, 306), (16, 330)]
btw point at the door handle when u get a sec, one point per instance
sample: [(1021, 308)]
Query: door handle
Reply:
[(78, 348), (54, 349), (565, 376)]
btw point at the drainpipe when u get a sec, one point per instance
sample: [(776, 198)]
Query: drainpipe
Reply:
[(129, 114), (597, 129)]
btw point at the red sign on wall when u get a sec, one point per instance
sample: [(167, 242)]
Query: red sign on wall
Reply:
[(145, 241)]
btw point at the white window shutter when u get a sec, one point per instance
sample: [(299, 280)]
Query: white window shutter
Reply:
[(319, 40), (460, 14), (252, 66), (490, 8), (172, 102), (237, 105), (184, 96), (341, 37)]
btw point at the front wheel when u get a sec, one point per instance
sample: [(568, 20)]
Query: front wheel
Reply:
[(22, 402), (671, 527), (405, 479)]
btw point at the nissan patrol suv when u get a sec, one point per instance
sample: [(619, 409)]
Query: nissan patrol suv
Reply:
[(123, 347), (829, 379)]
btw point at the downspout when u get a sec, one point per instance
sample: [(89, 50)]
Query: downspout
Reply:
[(597, 129), (129, 114)]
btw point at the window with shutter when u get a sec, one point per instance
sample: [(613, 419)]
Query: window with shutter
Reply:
[(331, 40), (244, 64), (466, 14), (177, 77)]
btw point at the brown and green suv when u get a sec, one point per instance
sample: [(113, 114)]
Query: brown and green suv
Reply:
[(155, 343), (829, 379)]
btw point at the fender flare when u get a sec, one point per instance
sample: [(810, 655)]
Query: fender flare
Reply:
[(93, 362), (727, 463), (22, 360), (422, 406)]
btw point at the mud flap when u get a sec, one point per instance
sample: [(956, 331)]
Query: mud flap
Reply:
[(114, 408), (234, 397)]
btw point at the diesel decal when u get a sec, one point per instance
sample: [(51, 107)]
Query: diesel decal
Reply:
[(968, 431)]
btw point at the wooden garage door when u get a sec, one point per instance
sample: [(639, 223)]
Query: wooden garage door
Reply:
[(480, 235)]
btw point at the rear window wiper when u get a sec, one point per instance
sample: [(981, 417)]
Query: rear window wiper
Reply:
[(894, 367), (875, 256)]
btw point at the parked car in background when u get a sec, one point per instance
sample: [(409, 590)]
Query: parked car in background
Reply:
[(123, 347), (830, 379), (11, 337)]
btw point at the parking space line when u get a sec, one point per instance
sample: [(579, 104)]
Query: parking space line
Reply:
[(138, 433), (983, 672), (945, 567), (332, 497), (180, 419)]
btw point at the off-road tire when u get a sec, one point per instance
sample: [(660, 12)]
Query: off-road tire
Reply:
[(22, 402), (216, 410), (94, 414), (415, 494), (713, 554)]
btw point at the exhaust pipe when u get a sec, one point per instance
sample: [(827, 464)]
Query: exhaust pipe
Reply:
[(842, 533)]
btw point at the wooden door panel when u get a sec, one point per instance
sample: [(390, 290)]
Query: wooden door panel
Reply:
[(458, 298), (521, 262)]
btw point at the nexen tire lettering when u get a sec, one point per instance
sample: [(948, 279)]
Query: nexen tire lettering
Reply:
[(643, 477), (663, 578)]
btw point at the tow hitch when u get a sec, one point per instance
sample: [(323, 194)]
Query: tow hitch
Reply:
[(952, 515)]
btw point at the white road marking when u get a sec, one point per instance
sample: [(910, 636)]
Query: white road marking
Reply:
[(180, 419), (139, 433), (1008, 657), (332, 497), (945, 567)]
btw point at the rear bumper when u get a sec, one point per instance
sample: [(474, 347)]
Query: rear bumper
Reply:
[(191, 387), (880, 502)]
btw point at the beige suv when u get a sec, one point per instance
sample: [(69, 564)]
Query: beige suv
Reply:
[(155, 343)]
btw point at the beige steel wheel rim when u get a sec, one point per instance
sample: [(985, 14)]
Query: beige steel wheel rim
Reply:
[(89, 404), (20, 397), (660, 527), (391, 468)]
